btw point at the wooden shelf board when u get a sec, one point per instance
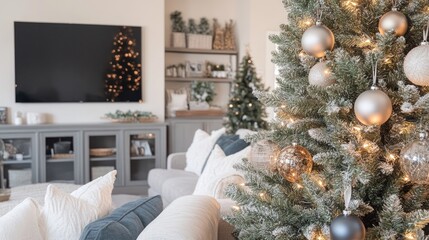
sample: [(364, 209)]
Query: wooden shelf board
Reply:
[(50, 160), (200, 51), (191, 79), (110, 158), (7, 162), (143, 157)]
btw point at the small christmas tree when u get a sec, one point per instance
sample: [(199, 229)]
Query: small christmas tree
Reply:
[(125, 73), (244, 109)]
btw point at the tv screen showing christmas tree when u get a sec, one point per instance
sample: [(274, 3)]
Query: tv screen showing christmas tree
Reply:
[(77, 63)]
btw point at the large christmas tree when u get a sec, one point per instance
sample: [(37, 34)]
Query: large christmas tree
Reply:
[(244, 108), (125, 73), (350, 113)]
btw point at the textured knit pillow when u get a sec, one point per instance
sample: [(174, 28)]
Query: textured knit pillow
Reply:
[(64, 215), (22, 222), (126, 222), (200, 149), (218, 168)]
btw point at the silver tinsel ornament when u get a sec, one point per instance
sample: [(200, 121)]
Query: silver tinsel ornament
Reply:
[(394, 22), (347, 226), (321, 75), (415, 160), (416, 63), (317, 39), (373, 107)]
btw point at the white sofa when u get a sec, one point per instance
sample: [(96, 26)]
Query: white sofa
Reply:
[(174, 182)]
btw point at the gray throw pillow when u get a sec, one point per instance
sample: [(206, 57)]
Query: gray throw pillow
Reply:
[(126, 222)]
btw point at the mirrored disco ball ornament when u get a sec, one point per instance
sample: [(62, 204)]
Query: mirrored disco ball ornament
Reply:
[(321, 75), (317, 39), (394, 22), (414, 160), (416, 63), (373, 107), (263, 154), (292, 161)]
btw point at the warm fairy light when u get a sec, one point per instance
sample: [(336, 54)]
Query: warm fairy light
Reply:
[(320, 183), (410, 236), (387, 60), (236, 208), (357, 128), (327, 71), (406, 178), (283, 106), (250, 104), (320, 237), (261, 194), (391, 156), (291, 120), (242, 184), (301, 54), (299, 186), (283, 124), (230, 105), (427, 9), (366, 145)]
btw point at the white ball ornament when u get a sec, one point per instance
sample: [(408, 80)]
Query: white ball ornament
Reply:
[(321, 75), (416, 63), (373, 107), (394, 22), (317, 39)]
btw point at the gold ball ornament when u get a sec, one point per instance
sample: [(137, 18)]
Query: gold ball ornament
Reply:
[(317, 39), (414, 160), (263, 154), (394, 22), (292, 161), (416, 65), (321, 75), (373, 107)]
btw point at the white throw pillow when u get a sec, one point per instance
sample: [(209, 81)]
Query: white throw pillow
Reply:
[(217, 169), (64, 216), (186, 218), (179, 101), (22, 222), (200, 149)]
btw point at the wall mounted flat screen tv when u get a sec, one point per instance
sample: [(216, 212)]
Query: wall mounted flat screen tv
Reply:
[(77, 63)]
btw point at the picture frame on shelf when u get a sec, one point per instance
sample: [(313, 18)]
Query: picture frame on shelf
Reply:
[(140, 148), (194, 69), (3, 115)]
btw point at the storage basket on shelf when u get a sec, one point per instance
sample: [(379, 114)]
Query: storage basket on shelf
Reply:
[(178, 40), (200, 41)]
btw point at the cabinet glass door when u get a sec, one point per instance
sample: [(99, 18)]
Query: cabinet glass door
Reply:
[(19, 160), (101, 155), (141, 153), (59, 156)]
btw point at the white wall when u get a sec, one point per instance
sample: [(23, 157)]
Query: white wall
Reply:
[(148, 14)]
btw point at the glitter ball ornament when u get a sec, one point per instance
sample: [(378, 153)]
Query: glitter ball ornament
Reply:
[(347, 227), (292, 161), (320, 75), (394, 22), (415, 160), (416, 63), (317, 39), (263, 154), (373, 107)]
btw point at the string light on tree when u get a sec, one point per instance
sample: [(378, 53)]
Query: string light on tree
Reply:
[(416, 63), (373, 107), (393, 22)]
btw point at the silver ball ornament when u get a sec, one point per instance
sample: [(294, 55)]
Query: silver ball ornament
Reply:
[(414, 160), (373, 107), (393, 21), (416, 65), (347, 227), (321, 75), (317, 39)]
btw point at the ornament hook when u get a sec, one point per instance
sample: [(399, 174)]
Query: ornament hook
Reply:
[(319, 13), (426, 33), (347, 197), (374, 64), (395, 5)]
